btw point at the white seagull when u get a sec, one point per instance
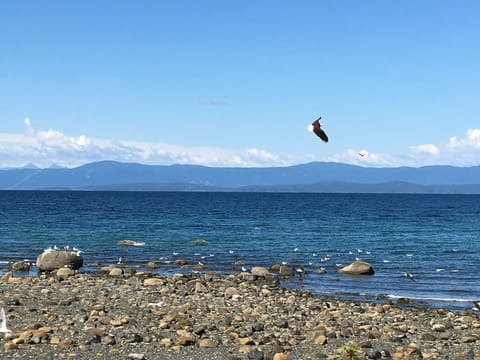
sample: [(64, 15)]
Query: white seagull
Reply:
[(410, 276), (3, 323)]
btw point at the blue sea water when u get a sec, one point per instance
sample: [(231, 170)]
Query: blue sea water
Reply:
[(434, 237)]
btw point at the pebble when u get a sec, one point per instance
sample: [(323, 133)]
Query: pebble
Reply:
[(186, 316)]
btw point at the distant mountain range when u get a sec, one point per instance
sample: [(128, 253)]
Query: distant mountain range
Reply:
[(310, 177)]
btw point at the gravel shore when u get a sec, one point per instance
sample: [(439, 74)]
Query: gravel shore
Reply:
[(137, 315)]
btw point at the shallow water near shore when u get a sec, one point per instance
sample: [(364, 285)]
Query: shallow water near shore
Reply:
[(434, 237)]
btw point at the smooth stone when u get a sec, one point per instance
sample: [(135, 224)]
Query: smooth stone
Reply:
[(281, 356), (10, 346), (152, 265), (136, 356), (358, 268), (153, 282), (207, 343), (230, 292), (259, 271), (64, 273), (53, 260)]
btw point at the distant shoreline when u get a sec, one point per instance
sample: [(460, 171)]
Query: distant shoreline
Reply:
[(323, 177)]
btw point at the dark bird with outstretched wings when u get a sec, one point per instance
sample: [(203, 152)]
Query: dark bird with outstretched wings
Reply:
[(316, 127)]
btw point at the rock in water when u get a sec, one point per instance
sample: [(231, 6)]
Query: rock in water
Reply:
[(357, 268), (53, 260)]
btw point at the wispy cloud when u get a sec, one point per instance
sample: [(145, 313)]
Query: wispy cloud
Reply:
[(456, 151), (46, 147), (212, 102), (425, 148)]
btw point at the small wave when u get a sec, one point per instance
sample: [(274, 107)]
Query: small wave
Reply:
[(423, 298)]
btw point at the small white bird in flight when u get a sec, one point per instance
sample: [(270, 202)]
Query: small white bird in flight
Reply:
[(410, 276), (3, 323)]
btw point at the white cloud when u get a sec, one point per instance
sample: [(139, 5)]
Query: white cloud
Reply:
[(30, 130), (472, 139), (456, 151), (46, 147), (351, 156), (425, 148)]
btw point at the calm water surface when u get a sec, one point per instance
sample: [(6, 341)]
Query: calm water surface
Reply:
[(435, 237)]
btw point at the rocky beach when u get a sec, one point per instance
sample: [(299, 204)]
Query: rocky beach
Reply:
[(121, 313)]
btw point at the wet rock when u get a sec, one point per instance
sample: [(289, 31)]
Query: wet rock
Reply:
[(55, 259), (358, 268), (285, 271), (19, 266), (259, 271), (151, 265), (126, 242), (181, 262)]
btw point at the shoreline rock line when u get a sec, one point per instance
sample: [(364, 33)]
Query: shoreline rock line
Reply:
[(138, 315)]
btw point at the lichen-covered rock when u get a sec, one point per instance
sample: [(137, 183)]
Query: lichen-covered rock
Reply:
[(56, 259)]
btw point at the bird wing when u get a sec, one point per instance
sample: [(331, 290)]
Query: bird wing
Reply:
[(320, 133)]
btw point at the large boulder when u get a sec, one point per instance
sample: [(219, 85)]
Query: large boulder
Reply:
[(357, 268), (56, 259), (259, 271)]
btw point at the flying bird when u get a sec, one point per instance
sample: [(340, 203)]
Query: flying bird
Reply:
[(362, 154), (3, 323), (410, 276), (316, 127)]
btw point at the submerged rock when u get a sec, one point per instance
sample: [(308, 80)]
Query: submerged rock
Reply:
[(130, 243), (19, 266)]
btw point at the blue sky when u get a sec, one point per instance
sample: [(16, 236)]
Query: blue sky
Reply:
[(235, 83)]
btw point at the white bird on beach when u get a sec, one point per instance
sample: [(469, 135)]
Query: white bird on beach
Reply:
[(3, 323)]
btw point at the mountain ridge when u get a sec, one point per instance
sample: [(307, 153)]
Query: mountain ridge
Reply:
[(329, 176)]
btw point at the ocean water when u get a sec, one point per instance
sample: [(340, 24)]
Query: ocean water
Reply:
[(434, 237)]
